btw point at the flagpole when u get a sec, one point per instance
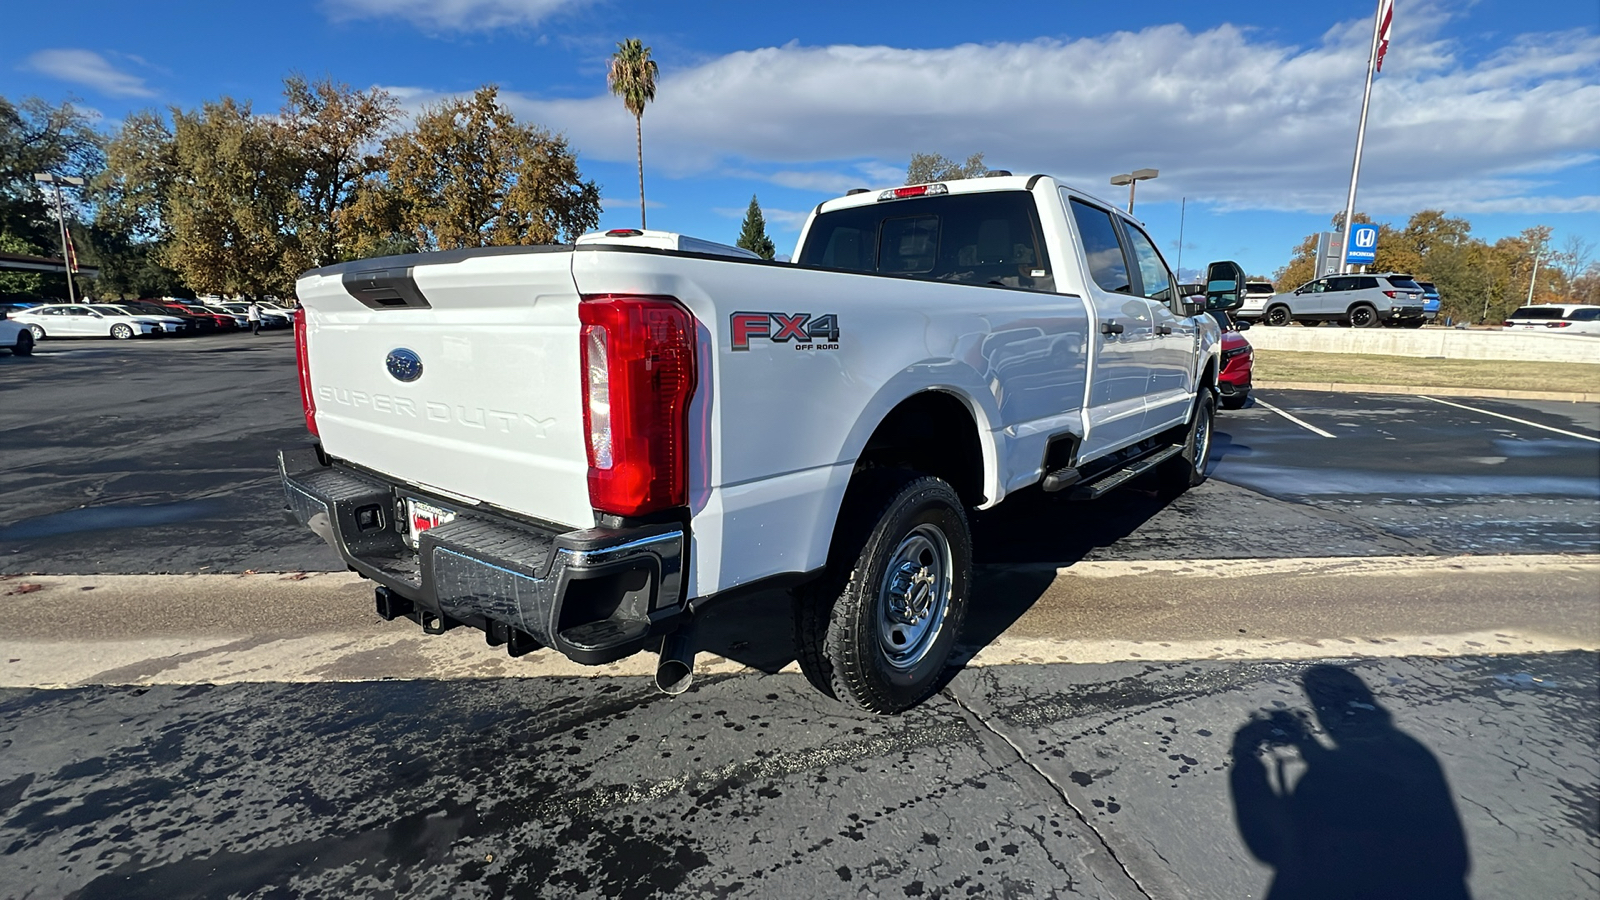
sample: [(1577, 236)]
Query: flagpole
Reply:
[(1361, 136)]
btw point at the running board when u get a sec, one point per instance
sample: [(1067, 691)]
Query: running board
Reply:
[(1116, 478)]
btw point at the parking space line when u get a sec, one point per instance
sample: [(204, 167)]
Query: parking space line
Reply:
[(1506, 417), (1306, 425)]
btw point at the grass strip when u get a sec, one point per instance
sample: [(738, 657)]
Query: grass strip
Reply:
[(1363, 368)]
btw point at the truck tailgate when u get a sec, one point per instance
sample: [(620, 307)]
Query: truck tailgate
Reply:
[(487, 404)]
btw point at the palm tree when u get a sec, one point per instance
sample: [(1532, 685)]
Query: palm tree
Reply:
[(632, 76)]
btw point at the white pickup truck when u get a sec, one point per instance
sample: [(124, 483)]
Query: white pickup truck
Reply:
[(580, 446)]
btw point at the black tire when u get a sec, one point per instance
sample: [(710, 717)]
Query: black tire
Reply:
[(121, 332), (24, 344), (37, 332), (1363, 315), (1188, 468), (878, 631), (1277, 316)]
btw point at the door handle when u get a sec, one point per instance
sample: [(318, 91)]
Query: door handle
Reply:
[(1163, 329), (1110, 327)]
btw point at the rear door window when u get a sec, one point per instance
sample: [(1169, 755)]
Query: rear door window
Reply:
[(990, 238), (1108, 262)]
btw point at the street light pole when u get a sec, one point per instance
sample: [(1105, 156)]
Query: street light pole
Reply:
[(1131, 179), (67, 256)]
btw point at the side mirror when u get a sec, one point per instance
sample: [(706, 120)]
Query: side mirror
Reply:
[(1241, 325), (1224, 283)]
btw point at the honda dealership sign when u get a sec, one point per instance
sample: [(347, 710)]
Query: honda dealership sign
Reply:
[(1363, 245)]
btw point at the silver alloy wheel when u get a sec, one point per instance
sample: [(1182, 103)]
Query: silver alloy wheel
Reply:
[(38, 332), (121, 332), (914, 597)]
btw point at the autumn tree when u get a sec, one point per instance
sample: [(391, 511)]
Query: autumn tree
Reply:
[(467, 174), (332, 134), (927, 167), (753, 232)]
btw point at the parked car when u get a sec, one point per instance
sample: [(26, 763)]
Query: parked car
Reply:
[(822, 425), (1256, 295), (1238, 359), (82, 320), (198, 323), (1557, 318), (15, 336), (1430, 303), (169, 324), (271, 316), (240, 320), (1361, 301), (224, 321)]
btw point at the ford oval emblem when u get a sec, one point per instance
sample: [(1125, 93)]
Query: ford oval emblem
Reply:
[(404, 365)]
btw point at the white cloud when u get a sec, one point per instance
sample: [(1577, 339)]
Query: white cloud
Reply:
[(89, 69), (451, 15), (1228, 120)]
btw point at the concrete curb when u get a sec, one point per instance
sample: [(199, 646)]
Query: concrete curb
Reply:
[(1486, 393)]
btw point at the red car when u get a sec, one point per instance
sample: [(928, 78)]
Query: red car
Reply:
[(1238, 361), (224, 322)]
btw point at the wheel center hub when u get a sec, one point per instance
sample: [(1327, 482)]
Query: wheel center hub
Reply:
[(911, 593)]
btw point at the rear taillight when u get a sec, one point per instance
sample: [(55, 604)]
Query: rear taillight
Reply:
[(1391, 294), (1557, 324), (303, 364), (638, 356)]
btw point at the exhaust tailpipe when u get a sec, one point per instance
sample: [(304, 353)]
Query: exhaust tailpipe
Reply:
[(675, 670)]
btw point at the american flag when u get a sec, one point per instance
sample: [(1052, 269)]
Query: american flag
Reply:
[(1385, 20)]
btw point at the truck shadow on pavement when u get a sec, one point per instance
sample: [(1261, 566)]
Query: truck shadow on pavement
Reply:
[(1017, 548)]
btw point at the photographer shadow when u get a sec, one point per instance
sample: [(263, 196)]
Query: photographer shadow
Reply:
[(1370, 817)]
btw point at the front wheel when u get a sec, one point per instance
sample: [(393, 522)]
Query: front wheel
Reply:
[(1278, 316), (1364, 316), (24, 344), (1189, 467), (121, 332), (882, 640)]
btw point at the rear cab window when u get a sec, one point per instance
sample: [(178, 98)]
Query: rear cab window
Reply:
[(1537, 312), (987, 238), (1108, 261)]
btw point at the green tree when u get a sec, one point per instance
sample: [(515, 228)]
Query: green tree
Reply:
[(22, 284), (36, 136), (631, 75), (753, 233), (927, 167), (467, 174)]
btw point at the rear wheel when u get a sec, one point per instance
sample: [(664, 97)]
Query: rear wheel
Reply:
[(37, 332), (121, 332), (1363, 315), (24, 344), (878, 631), (1277, 316)]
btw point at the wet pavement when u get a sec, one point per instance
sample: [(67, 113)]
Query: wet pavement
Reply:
[(1117, 780), (1469, 773)]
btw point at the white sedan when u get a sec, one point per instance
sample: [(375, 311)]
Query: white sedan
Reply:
[(93, 320), (15, 336)]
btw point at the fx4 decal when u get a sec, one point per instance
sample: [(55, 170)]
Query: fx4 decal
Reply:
[(807, 331)]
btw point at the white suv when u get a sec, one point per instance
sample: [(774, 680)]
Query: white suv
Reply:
[(1556, 318), (1256, 295)]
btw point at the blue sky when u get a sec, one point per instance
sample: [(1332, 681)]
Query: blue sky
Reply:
[(1487, 109)]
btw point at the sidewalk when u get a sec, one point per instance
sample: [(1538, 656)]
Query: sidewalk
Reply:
[(1414, 390)]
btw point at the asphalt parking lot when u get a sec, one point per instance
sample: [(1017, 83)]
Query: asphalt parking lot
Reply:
[(1126, 725)]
